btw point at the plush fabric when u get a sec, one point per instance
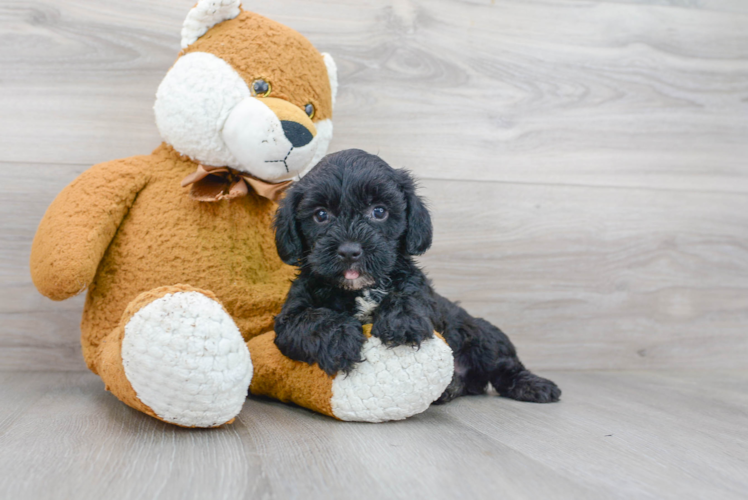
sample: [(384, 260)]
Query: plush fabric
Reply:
[(185, 358), (257, 47), (182, 293), (199, 92), (128, 226), (391, 383), (291, 381), (205, 15), (194, 376)]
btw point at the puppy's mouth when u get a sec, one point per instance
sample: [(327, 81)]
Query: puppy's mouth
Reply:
[(352, 274), (353, 280)]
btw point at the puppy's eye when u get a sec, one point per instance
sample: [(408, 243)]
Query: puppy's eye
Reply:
[(261, 88), (321, 216), (309, 110), (379, 213)]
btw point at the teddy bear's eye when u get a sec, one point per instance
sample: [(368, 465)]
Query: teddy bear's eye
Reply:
[(309, 109), (261, 88)]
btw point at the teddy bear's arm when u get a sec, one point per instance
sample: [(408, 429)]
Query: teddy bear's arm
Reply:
[(80, 223)]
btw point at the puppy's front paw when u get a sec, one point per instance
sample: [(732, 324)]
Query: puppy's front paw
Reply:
[(340, 348), (394, 328)]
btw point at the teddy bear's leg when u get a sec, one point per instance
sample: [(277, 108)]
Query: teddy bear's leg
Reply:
[(178, 356), (390, 384)]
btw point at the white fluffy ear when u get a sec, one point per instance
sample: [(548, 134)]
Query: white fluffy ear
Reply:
[(332, 73), (205, 15)]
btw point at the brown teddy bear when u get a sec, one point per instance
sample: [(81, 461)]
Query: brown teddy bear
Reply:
[(176, 248)]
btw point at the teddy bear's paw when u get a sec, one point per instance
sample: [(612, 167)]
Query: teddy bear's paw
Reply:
[(186, 359), (393, 383)]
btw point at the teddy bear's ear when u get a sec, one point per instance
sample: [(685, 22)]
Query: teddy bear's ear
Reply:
[(332, 74), (205, 15)]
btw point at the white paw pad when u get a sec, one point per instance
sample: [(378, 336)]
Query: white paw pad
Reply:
[(393, 384), (186, 360)]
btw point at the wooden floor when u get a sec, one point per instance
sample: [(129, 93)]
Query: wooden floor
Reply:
[(586, 163), (585, 160), (627, 435)]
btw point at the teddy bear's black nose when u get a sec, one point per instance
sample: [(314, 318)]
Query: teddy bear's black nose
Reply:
[(296, 133)]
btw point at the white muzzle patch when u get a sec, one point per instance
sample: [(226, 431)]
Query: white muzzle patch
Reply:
[(255, 137), (206, 111)]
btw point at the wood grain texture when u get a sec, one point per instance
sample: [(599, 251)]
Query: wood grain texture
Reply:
[(580, 278), (637, 278), (594, 93), (614, 435), (736, 6), (586, 160)]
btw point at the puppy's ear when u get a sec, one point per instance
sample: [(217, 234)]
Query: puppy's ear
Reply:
[(419, 232), (287, 237)]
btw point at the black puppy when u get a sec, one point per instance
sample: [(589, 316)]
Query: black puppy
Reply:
[(352, 225)]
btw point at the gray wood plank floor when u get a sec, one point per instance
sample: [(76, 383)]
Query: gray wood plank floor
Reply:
[(639, 297), (614, 435), (586, 166), (585, 160)]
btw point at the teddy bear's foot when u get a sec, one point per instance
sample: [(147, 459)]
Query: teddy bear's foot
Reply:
[(390, 384), (182, 356)]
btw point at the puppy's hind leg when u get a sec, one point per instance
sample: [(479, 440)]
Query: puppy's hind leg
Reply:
[(507, 374), (455, 389), (468, 379)]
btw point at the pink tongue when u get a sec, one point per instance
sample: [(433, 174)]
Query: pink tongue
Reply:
[(351, 274)]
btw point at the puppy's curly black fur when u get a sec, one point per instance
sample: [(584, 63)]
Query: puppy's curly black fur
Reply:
[(352, 226)]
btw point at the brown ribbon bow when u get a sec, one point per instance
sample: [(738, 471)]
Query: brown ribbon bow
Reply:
[(225, 183)]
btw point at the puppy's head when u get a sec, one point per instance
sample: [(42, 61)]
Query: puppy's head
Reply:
[(350, 218)]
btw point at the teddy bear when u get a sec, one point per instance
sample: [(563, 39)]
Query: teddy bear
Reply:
[(176, 249)]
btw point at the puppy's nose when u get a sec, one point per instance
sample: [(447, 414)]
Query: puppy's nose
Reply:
[(350, 251), (296, 133)]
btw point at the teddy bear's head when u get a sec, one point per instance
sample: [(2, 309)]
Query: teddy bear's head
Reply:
[(247, 93)]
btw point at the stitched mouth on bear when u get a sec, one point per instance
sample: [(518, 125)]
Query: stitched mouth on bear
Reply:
[(283, 160), (270, 138)]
